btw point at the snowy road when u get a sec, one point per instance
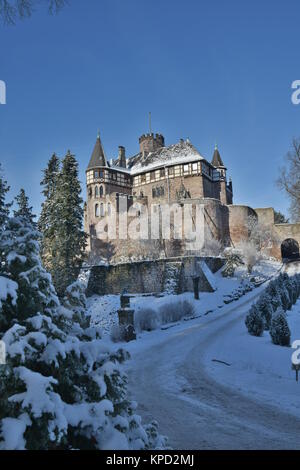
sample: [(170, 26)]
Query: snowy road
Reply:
[(169, 381)]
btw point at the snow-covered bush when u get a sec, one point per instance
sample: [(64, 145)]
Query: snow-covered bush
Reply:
[(249, 254), (279, 330), (273, 291), (62, 386), (212, 246), (146, 319), (233, 261), (75, 300), (175, 311), (265, 309), (254, 322)]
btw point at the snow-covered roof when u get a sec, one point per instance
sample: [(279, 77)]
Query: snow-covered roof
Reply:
[(182, 152)]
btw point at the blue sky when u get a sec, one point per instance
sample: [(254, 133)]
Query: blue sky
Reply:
[(208, 70)]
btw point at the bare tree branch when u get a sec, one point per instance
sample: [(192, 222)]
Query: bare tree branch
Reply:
[(289, 179), (13, 10)]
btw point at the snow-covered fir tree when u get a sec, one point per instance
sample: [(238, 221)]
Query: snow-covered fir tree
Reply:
[(4, 206), (48, 220), (61, 222), (254, 321), (70, 238), (24, 209), (279, 329), (62, 387), (264, 306)]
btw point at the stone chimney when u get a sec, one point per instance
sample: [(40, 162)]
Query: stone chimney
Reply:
[(122, 157)]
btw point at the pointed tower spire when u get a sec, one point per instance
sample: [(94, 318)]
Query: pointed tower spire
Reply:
[(98, 155), (217, 160)]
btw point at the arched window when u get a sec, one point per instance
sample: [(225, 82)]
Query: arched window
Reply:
[(109, 208), (97, 210), (96, 191), (101, 191), (101, 209)]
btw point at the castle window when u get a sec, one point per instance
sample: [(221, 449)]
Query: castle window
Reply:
[(171, 171), (96, 191), (101, 174), (152, 176), (162, 172), (101, 191), (102, 212), (143, 178), (109, 208), (185, 168), (97, 213), (96, 174), (195, 166)]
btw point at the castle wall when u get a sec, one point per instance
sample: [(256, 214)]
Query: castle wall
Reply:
[(238, 222), (151, 276)]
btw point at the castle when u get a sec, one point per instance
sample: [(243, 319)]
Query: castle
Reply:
[(165, 175)]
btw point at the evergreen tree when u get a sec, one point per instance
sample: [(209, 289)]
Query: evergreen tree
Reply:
[(24, 209), (48, 221), (70, 239), (254, 322), (4, 206), (62, 387), (279, 330), (264, 306)]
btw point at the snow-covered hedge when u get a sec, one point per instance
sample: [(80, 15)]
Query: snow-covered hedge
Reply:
[(148, 319), (269, 311)]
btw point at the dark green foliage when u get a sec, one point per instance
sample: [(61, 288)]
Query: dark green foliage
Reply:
[(254, 322), (280, 218), (4, 206), (265, 309), (279, 330), (24, 209), (64, 240)]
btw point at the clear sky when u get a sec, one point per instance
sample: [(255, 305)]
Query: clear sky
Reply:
[(208, 70)]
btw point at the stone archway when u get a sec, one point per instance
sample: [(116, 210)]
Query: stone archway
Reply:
[(290, 249)]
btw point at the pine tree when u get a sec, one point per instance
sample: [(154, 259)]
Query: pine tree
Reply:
[(70, 239), (48, 221), (4, 206), (279, 330), (62, 387), (24, 209), (254, 322)]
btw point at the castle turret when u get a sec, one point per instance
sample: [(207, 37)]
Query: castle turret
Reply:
[(217, 160), (225, 190), (98, 156), (151, 142)]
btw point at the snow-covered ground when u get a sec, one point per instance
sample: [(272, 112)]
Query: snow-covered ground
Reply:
[(258, 368), (249, 400), (103, 309)]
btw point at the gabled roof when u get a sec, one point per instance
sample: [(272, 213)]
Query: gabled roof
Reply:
[(217, 160), (98, 156)]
